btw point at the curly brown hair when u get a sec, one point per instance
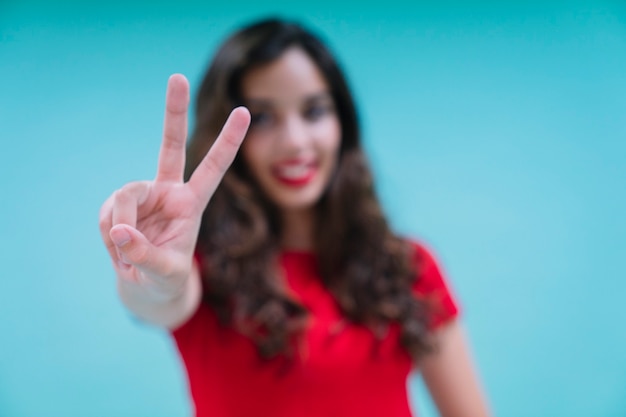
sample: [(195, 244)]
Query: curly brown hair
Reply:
[(369, 269)]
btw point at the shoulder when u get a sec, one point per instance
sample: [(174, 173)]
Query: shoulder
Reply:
[(428, 269), (431, 284)]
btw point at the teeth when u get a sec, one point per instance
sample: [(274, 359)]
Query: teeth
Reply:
[(294, 171)]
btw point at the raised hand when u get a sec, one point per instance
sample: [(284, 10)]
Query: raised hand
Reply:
[(150, 228)]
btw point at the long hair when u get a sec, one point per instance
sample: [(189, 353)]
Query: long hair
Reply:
[(369, 270)]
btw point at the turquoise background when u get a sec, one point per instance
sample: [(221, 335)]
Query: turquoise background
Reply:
[(497, 131)]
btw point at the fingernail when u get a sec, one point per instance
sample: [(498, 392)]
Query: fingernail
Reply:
[(120, 238), (122, 257)]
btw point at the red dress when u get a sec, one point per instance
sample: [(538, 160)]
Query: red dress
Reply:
[(338, 373)]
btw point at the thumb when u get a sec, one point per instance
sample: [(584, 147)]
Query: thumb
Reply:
[(136, 250)]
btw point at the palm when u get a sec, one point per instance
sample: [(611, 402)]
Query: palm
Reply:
[(150, 228), (169, 217)]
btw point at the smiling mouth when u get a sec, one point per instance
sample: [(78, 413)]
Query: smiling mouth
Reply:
[(295, 175)]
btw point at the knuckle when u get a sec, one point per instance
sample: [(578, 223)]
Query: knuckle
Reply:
[(105, 225), (124, 193), (130, 189), (212, 167), (119, 196), (133, 191)]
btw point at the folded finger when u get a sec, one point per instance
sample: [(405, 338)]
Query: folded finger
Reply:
[(126, 203), (136, 250), (105, 224)]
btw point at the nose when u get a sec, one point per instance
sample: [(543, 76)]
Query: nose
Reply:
[(293, 132)]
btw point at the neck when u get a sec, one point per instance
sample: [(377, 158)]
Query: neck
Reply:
[(297, 226)]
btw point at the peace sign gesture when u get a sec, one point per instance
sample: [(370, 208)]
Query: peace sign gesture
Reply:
[(150, 228)]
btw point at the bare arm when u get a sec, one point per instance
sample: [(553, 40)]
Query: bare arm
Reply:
[(150, 228), (450, 376)]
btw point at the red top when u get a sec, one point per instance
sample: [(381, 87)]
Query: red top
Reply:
[(338, 373)]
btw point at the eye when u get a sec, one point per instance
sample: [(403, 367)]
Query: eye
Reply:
[(316, 111), (261, 119)]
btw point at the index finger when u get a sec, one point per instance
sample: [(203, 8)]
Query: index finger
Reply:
[(172, 153), (210, 171)]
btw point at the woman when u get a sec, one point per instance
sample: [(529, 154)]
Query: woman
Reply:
[(282, 284)]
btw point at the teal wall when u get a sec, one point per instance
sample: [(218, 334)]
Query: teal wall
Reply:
[(497, 131)]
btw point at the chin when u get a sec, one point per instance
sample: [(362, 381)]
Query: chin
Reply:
[(303, 201), (298, 205)]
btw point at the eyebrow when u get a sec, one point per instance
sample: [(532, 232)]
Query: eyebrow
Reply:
[(262, 102)]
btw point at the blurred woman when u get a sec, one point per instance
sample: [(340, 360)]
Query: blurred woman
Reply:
[(284, 287)]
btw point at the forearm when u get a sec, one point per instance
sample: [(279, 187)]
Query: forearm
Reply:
[(451, 378)]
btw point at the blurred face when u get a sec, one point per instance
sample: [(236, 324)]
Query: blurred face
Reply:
[(293, 143)]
